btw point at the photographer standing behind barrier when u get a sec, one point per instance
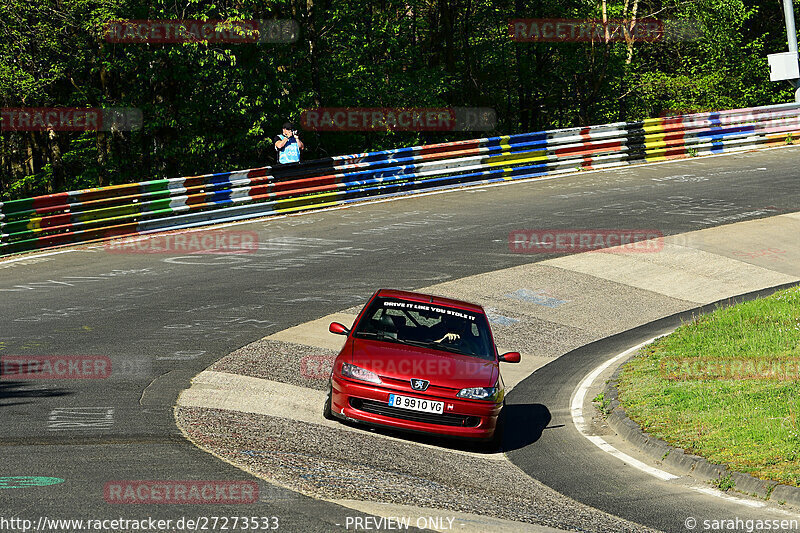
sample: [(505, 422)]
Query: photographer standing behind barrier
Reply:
[(288, 145)]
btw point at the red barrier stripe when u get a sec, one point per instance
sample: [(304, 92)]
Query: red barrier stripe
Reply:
[(592, 148), (678, 138), (446, 147), (330, 179), (258, 172), (260, 191), (194, 181), (80, 236), (52, 209), (459, 153), (106, 192), (673, 153), (57, 220), (50, 200)]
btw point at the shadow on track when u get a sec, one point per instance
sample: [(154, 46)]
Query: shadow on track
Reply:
[(10, 390), (524, 424)]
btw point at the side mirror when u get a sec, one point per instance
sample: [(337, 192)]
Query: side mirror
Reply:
[(338, 329), (510, 357)]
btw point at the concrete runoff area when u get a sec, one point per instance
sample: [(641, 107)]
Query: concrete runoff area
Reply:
[(309, 333), (679, 272), (339, 464), (542, 310)]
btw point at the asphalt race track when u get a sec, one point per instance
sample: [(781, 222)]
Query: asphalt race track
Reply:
[(162, 319)]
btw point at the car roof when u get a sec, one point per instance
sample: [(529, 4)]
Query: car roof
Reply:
[(428, 298)]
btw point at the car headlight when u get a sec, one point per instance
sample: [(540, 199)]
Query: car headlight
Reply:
[(361, 374), (479, 393)]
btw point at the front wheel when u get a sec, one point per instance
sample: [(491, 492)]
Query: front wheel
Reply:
[(326, 410), (499, 430)]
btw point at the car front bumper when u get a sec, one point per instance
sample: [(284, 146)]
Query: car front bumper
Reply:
[(367, 403)]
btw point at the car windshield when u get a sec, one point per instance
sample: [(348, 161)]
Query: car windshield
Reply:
[(427, 325)]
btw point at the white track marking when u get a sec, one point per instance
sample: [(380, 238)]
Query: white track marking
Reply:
[(718, 494), (34, 256), (576, 408)]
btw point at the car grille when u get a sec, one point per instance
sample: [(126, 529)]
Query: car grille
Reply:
[(380, 408)]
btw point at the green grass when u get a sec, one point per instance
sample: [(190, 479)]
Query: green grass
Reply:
[(724, 482), (601, 403), (741, 416)]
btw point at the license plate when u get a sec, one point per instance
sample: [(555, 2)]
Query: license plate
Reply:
[(416, 404)]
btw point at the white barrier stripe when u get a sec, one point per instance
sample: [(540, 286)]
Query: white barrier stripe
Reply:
[(178, 201), (239, 193), (177, 184)]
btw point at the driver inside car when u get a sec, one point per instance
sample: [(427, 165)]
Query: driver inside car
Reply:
[(459, 334)]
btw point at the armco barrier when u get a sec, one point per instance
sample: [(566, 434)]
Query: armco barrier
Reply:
[(137, 208)]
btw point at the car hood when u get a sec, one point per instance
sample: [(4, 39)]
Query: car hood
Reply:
[(443, 369)]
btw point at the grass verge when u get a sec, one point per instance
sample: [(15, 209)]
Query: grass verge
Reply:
[(726, 386)]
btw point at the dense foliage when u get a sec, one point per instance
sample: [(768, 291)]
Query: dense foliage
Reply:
[(213, 107)]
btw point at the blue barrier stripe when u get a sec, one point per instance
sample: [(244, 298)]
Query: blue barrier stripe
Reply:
[(220, 179), (725, 132)]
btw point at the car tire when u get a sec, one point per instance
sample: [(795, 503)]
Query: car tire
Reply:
[(499, 431), (326, 411)]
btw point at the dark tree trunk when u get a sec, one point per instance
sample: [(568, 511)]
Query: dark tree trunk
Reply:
[(55, 160)]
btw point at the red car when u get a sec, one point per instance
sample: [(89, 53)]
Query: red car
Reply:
[(420, 363)]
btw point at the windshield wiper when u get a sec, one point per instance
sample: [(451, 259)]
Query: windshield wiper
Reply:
[(380, 335), (434, 345), (442, 346)]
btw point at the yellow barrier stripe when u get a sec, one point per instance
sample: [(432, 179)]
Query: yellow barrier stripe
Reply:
[(511, 159)]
